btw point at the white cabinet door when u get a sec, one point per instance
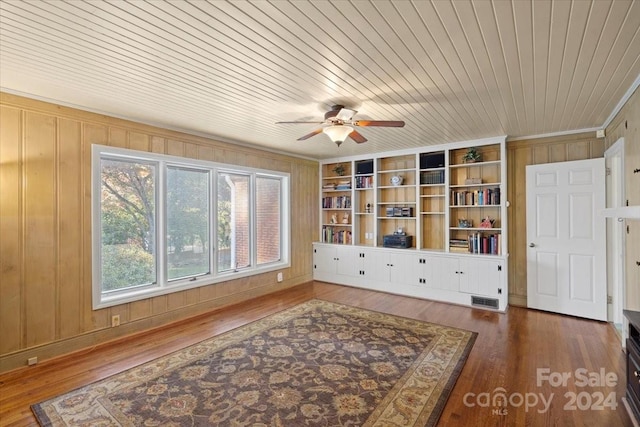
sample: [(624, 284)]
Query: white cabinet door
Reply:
[(443, 272), (371, 264), (346, 260), (480, 276), (404, 268), (324, 259), (393, 267)]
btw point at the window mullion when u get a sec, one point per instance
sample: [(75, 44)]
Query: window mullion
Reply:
[(214, 222), (161, 225), (253, 223)]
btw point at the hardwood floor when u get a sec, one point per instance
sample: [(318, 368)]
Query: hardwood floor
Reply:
[(508, 353)]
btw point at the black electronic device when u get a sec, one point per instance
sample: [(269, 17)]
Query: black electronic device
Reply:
[(400, 241), (431, 160), (364, 167)]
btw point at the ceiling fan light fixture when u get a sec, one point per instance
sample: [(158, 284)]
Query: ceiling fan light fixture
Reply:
[(338, 133)]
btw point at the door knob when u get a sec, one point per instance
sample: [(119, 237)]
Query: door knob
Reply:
[(532, 245)]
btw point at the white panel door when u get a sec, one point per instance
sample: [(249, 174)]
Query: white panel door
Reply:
[(566, 254)]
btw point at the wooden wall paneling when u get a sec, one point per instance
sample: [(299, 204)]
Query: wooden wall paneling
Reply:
[(518, 225), (207, 293), (633, 268), (597, 148), (159, 304), (205, 153), (191, 297), (158, 145), (138, 141), (85, 292), (175, 148), (139, 309), (56, 207), (118, 137), (540, 155), (11, 230), (191, 151), (176, 300), (92, 133), (40, 293), (578, 151), (69, 269), (557, 153)]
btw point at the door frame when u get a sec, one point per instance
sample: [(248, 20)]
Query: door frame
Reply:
[(615, 233)]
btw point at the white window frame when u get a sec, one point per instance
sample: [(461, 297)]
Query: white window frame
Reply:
[(163, 285)]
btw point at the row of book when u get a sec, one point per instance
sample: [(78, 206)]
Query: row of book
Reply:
[(337, 202), (344, 184), (477, 243), (488, 196), (336, 235), (432, 177), (364, 182)]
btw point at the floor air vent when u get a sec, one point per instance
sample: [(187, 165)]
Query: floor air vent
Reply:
[(484, 302)]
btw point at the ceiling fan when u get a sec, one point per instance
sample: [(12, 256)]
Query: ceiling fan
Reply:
[(339, 122)]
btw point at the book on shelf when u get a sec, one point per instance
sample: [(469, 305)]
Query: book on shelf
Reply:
[(485, 197), (432, 177), (333, 235), (478, 243), (364, 181), (337, 202), (343, 185)]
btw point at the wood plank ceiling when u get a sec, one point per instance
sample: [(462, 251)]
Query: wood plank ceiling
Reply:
[(230, 69)]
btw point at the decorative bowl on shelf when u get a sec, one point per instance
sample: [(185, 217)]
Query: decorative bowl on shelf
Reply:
[(465, 223), (396, 180)]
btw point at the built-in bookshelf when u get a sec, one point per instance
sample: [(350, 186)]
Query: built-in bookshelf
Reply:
[(475, 201), (443, 200), (432, 194), (396, 201), (336, 203), (364, 206)]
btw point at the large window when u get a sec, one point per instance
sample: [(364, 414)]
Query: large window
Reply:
[(155, 218)]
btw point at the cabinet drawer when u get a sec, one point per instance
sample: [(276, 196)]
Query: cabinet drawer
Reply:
[(633, 373)]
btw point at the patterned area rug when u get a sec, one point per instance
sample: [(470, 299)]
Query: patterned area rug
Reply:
[(316, 364)]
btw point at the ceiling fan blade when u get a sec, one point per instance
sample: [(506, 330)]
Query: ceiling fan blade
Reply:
[(382, 123), (357, 137), (316, 122), (345, 114), (309, 135)]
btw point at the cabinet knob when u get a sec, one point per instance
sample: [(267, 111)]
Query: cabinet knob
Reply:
[(532, 245), (635, 374)]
